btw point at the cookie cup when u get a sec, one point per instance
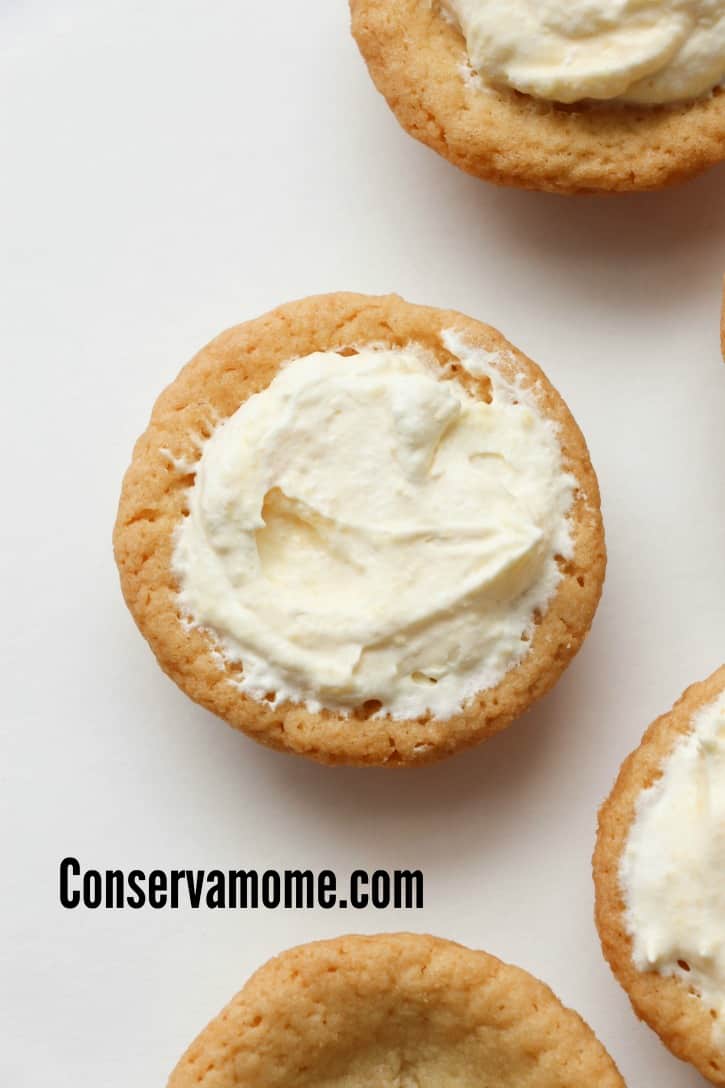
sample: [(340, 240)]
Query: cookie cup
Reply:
[(682, 1021), (393, 1010), (418, 61), (242, 362)]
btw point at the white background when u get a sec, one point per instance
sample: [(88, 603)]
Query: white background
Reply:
[(172, 167)]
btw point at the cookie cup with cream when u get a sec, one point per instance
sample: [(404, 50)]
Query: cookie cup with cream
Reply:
[(392, 1010), (361, 530), (659, 874), (644, 105)]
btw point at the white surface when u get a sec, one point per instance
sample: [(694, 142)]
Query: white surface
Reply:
[(170, 168)]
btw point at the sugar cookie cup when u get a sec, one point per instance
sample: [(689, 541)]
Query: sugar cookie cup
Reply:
[(662, 994), (391, 1010), (355, 724), (418, 61)]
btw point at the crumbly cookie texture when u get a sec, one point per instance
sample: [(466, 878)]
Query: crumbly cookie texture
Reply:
[(684, 1024), (394, 1011), (418, 61), (241, 362)]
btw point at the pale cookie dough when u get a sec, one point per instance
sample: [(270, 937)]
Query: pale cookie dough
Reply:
[(154, 499), (418, 61), (683, 1022), (394, 1011)]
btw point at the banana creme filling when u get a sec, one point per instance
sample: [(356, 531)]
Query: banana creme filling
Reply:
[(366, 530), (643, 52)]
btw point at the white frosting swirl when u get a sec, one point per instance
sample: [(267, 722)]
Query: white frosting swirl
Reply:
[(673, 867), (366, 529), (638, 51)]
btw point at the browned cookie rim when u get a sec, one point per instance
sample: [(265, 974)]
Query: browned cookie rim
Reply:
[(211, 387), (664, 1003), (418, 61), (317, 1005)]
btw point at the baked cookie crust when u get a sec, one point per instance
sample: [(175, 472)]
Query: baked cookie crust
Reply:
[(241, 362), (683, 1024), (394, 1011), (418, 61)]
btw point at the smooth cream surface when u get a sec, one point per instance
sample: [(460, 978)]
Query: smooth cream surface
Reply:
[(638, 51), (366, 529), (673, 866)]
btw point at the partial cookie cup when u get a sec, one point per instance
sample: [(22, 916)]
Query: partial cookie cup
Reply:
[(394, 1010), (671, 1007), (418, 61), (155, 500)]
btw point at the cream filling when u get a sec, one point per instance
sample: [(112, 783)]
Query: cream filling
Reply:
[(366, 529), (638, 51), (673, 867)]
